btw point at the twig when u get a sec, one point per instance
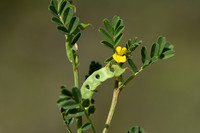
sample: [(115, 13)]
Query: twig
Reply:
[(116, 93)]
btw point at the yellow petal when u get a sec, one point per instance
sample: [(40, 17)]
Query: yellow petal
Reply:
[(116, 57), (124, 50), (122, 59), (118, 49), (119, 59)]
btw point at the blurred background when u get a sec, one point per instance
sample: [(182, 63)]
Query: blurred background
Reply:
[(164, 98)]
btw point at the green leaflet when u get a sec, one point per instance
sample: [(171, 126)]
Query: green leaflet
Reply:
[(73, 24), (94, 80), (83, 26), (67, 15), (109, 59), (108, 26), (106, 35), (107, 44), (86, 126), (76, 94), (136, 129), (115, 20), (56, 20)]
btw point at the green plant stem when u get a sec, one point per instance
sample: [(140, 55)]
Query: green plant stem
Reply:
[(68, 129), (76, 84), (116, 93), (71, 57), (67, 126), (132, 76), (75, 71), (79, 124), (88, 117), (76, 80)]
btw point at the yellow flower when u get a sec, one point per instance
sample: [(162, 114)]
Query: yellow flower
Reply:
[(119, 57)]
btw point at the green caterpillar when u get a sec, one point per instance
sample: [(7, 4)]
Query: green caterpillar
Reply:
[(94, 80)]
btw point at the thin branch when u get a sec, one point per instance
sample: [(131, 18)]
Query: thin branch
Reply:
[(116, 93)]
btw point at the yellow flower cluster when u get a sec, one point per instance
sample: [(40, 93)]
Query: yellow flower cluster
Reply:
[(119, 57)]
